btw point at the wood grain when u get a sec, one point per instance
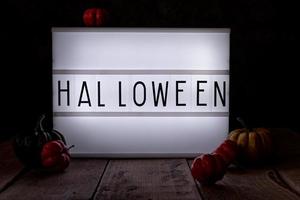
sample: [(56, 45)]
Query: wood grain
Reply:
[(288, 151), (10, 167), (148, 179), (78, 182), (248, 184), (289, 172), (278, 181), (155, 178)]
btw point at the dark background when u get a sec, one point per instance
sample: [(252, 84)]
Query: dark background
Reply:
[(264, 55)]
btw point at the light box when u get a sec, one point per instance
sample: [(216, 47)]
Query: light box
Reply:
[(141, 92)]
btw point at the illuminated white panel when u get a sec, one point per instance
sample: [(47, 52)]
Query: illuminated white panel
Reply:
[(106, 96), (109, 48), (142, 136)]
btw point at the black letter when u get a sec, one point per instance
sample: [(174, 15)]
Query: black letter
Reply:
[(160, 92), (99, 96), (120, 95), (198, 93), (177, 91), (64, 90), (223, 99), (134, 91), (84, 87)]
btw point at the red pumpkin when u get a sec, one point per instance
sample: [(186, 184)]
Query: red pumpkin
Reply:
[(95, 17), (208, 168), (228, 150), (55, 156)]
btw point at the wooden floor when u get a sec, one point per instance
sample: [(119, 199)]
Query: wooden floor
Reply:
[(152, 179)]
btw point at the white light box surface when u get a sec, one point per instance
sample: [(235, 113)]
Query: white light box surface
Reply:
[(136, 92)]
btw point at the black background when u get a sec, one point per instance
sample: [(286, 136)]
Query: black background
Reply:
[(264, 55)]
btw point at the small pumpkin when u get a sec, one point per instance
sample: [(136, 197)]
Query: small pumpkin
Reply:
[(95, 17), (28, 145), (255, 145), (228, 150), (208, 168), (55, 156), (46, 136)]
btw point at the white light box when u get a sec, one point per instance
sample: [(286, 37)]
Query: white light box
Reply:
[(141, 92)]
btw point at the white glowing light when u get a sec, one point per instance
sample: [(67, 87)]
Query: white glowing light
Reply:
[(121, 92)]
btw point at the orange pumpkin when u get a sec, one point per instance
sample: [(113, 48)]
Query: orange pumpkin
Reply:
[(255, 145)]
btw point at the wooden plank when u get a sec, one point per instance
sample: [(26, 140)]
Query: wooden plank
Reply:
[(279, 181), (79, 181), (10, 167), (148, 179), (258, 184), (289, 172), (288, 151), (263, 183)]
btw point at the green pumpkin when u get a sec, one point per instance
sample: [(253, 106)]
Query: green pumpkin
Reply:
[(28, 145)]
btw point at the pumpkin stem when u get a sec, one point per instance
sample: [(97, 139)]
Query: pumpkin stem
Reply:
[(70, 147), (39, 125), (243, 123)]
